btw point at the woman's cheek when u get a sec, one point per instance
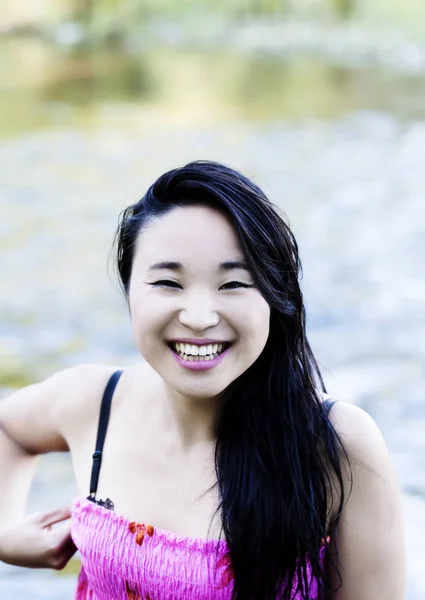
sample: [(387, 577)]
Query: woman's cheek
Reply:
[(149, 317)]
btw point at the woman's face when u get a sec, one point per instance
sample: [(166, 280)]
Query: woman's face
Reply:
[(182, 310)]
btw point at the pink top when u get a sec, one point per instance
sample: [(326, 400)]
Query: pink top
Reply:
[(124, 560)]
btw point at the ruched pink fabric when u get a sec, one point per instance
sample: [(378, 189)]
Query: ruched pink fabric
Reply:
[(123, 560)]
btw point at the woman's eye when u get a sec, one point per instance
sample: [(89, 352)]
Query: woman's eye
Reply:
[(165, 283), (231, 285), (234, 284)]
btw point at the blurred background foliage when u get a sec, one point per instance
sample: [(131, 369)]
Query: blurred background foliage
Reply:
[(117, 12), (258, 58)]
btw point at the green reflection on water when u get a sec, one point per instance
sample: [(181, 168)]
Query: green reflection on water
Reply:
[(51, 88)]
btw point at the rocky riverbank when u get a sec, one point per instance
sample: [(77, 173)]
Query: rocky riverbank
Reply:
[(339, 150)]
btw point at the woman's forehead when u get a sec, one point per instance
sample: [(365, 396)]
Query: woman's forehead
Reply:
[(185, 231)]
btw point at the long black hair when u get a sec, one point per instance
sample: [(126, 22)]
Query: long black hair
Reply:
[(278, 459)]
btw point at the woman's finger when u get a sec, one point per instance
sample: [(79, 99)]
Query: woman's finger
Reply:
[(61, 534), (54, 516)]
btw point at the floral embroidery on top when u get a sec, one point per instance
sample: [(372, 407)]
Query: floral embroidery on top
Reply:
[(140, 529), (132, 593), (228, 575)]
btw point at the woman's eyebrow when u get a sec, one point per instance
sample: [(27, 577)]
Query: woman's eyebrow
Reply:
[(227, 265)]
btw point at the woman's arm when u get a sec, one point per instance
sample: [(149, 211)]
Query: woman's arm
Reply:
[(37, 419), (16, 472), (28, 427), (370, 531)]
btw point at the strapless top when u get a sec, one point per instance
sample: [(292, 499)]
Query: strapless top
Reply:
[(127, 560)]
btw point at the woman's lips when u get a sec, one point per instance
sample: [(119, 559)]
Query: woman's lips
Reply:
[(199, 365)]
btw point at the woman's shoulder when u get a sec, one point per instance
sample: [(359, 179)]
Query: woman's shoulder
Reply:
[(81, 389), (81, 375), (41, 417), (355, 426), (348, 419), (368, 463), (79, 386), (364, 445)]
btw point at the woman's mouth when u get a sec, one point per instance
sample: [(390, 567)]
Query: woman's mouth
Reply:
[(193, 353), (199, 357)]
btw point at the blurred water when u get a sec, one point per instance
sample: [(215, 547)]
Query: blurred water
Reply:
[(341, 152)]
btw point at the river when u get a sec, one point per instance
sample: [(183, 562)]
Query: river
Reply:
[(339, 148)]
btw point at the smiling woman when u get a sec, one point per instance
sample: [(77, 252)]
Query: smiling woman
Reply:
[(224, 476), (202, 297)]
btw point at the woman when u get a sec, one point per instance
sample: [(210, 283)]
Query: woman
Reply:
[(220, 472)]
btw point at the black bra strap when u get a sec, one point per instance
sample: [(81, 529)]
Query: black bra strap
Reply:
[(327, 405), (105, 410)]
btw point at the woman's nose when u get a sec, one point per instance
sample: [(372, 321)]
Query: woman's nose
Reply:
[(198, 315)]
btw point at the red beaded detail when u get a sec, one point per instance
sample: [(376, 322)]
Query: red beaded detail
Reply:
[(227, 576), (132, 594), (140, 529), (132, 527)]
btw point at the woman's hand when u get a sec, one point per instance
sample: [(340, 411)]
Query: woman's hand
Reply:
[(36, 544)]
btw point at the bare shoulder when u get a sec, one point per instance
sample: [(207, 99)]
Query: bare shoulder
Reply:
[(370, 528), (364, 444), (42, 417), (361, 436), (355, 426)]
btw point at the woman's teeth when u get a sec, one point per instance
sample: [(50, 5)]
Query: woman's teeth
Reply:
[(197, 353)]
